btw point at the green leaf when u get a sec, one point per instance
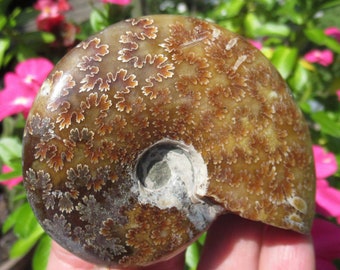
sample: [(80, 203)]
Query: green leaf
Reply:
[(227, 9), (234, 7), (284, 59), (268, 4), (193, 252), (320, 38), (300, 78), (22, 220), (26, 15), (255, 27), (8, 126), (47, 37), (3, 6), (202, 238), (328, 123), (274, 29), (23, 245), (98, 19), (13, 17), (4, 45), (3, 21), (252, 24), (10, 175), (37, 39), (330, 4), (10, 148), (24, 52), (305, 107), (192, 255), (10, 220), (26, 222), (293, 10), (41, 253)]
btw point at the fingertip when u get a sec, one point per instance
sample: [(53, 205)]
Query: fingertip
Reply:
[(60, 258), (284, 249), (232, 243)]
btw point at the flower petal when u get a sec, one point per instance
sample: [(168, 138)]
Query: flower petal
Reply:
[(12, 182), (22, 86), (327, 198), (334, 32), (322, 57), (34, 71), (325, 162), (256, 43), (117, 2), (13, 101)]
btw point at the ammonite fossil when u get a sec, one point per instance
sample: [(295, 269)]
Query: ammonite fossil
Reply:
[(146, 132)]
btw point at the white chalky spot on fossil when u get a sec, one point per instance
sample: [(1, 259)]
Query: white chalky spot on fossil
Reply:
[(273, 95), (298, 203), (216, 33), (239, 61), (231, 44)]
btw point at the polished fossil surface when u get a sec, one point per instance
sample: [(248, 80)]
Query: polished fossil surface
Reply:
[(145, 132)]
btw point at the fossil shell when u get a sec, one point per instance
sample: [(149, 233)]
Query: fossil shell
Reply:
[(145, 132)]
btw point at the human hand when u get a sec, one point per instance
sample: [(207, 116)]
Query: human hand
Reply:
[(232, 243)]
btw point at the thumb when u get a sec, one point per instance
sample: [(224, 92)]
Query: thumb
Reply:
[(60, 258)]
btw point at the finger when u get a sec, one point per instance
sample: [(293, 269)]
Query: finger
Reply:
[(283, 249), (60, 258), (232, 243)]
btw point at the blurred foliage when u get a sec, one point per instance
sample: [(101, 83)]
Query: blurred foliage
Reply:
[(287, 29)]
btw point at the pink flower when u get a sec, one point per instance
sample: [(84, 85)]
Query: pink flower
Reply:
[(22, 85), (48, 21), (68, 33), (325, 162), (327, 197), (61, 5), (12, 182), (326, 237), (322, 57), (333, 32), (338, 94), (257, 44), (117, 2), (51, 16)]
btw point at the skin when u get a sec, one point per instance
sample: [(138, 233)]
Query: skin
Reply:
[(232, 243)]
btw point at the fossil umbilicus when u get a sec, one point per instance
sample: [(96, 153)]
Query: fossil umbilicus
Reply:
[(146, 132)]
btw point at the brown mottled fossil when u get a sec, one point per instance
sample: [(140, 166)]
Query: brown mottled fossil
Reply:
[(146, 132)]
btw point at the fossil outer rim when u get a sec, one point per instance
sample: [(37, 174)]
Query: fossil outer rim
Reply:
[(155, 78)]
